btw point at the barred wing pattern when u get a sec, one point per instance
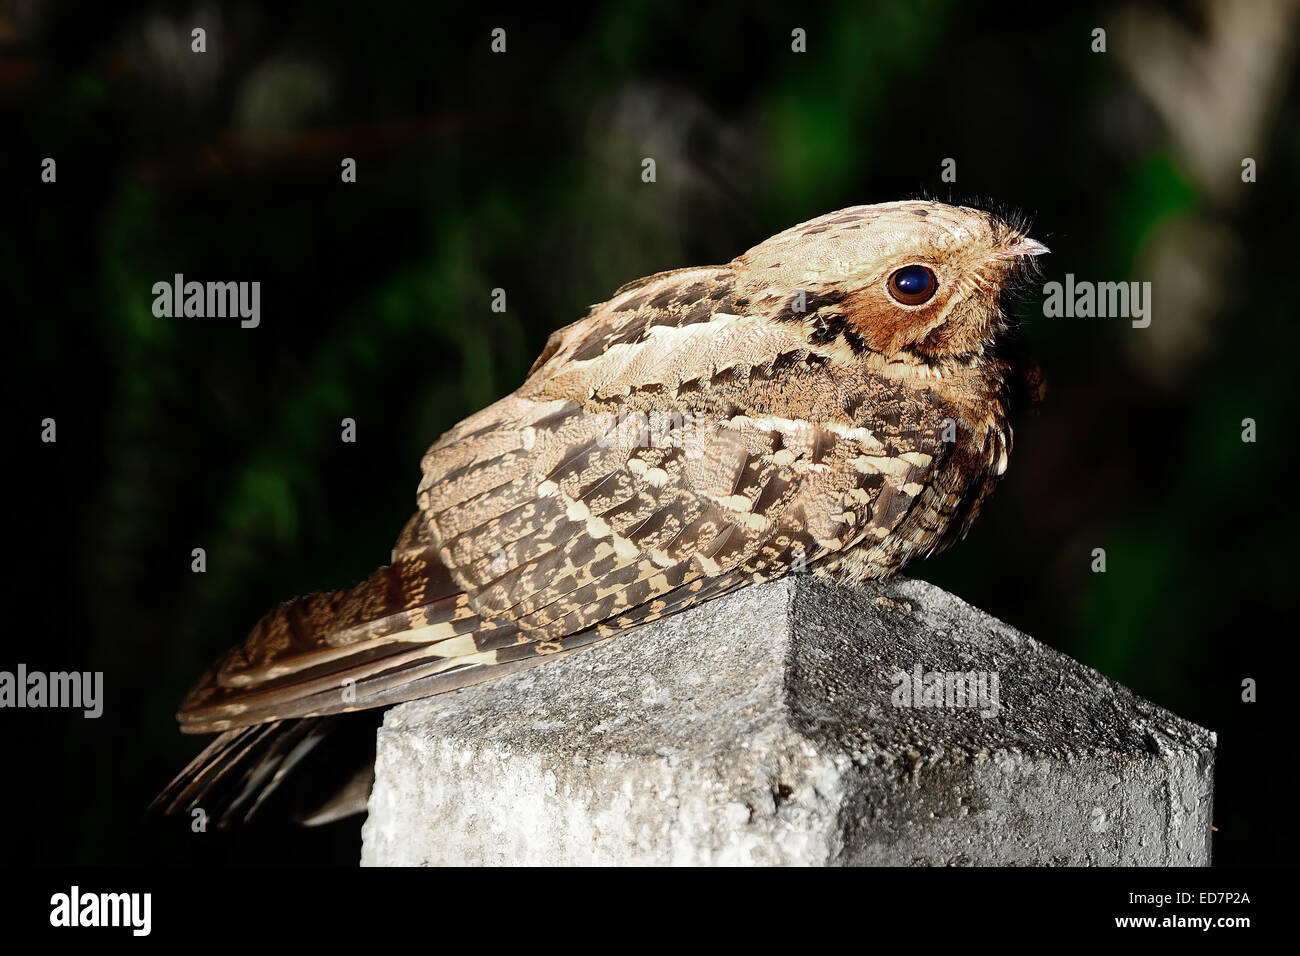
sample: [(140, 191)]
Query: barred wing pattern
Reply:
[(582, 506)]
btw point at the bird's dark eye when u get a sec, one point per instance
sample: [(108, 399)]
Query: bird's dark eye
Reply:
[(912, 285)]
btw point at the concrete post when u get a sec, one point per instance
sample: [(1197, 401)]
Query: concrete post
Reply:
[(797, 722)]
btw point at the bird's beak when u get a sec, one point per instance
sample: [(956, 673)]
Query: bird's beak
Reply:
[(1024, 246)]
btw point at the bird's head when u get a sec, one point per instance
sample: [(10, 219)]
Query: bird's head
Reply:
[(915, 285)]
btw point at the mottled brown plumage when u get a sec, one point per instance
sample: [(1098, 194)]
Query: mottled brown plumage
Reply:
[(703, 429)]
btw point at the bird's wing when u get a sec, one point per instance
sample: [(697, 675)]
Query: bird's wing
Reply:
[(639, 470)]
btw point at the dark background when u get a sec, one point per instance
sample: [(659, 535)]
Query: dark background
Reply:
[(523, 171)]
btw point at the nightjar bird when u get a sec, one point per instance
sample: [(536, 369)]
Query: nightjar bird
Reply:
[(836, 398)]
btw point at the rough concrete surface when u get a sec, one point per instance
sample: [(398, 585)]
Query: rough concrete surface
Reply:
[(767, 727)]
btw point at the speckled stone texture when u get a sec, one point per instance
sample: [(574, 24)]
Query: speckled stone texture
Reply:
[(767, 728)]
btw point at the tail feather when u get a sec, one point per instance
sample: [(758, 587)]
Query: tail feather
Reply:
[(238, 774), (331, 653), (285, 750), (209, 768), (285, 696)]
